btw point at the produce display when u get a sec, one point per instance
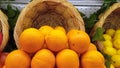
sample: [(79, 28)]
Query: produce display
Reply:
[(109, 20), (54, 48), (55, 34)]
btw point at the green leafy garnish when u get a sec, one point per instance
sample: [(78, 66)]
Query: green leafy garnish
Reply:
[(98, 34), (90, 21), (12, 15)]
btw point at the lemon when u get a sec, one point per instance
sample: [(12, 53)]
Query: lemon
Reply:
[(107, 43), (118, 52), (117, 31), (110, 32), (110, 51), (116, 60), (116, 43), (116, 36), (107, 37), (112, 66)]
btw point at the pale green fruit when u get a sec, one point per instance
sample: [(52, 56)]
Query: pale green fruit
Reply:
[(118, 52), (107, 43), (112, 66), (116, 60), (107, 37), (110, 51), (116, 43), (110, 32)]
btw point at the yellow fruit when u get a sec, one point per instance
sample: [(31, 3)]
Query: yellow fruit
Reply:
[(31, 40), (117, 31), (107, 43), (79, 41), (44, 58), (112, 66), (118, 52), (110, 32), (116, 60), (110, 51), (60, 28), (17, 59), (56, 40), (117, 34), (116, 43), (107, 37), (92, 59), (45, 29), (67, 58)]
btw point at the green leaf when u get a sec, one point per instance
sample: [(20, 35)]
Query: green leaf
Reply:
[(107, 64), (98, 34)]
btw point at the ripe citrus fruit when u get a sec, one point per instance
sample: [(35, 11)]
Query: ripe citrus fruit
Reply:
[(56, 40), (17, 59), (116, 60), (67, 58), (31, 40), (79, 41), (60, 28), (107, 37), (110, 32), (116, 43), (45, 29), (92, 59), (44, 58), (110, 51), (92, 47)]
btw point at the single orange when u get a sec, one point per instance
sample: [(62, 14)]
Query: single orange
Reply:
[(60, 28), (92, 59), (44, 58), (31, 40), (17, 59), (56, 40), (92, 47), (67, 58), (79, 40)]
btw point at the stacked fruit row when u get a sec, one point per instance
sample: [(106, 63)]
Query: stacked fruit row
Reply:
[(49, 47)]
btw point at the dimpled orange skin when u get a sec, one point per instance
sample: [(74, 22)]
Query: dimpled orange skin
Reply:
[(67, 58), (17, 59), (56, 40), (79, 41), (31, 40), (44, 58), (92, 59)]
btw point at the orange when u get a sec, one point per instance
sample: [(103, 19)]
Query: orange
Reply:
[(31, 40), (60, 28), (92, 47), (79, 40), (56, 40), (67, 58), (4, 66), (92, 59), (44, 58), (17, 59), (45, 30)]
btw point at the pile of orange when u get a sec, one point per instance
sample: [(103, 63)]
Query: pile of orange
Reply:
[(49, 47)]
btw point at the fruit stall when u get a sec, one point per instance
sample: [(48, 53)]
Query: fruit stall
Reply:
[(59, 33)]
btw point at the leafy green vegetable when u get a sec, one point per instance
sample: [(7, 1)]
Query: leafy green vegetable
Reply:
[(98, 34), (12, 15)]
